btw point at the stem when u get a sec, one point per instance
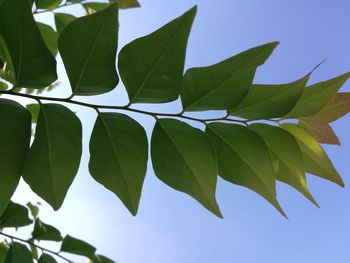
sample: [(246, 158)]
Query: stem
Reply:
[(63, 5), (37, 246)]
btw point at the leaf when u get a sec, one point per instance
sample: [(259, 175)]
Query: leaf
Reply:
[(76, 246), (34, 209), (3, 252), (44, 231), (62, 20), (93, 7), (151, 67), (126, 3), (243, 159), (119, 153), (33, 250), (322, 132), (47, 4), (50, 37), (184, 159), (338, 107), (315, 159), (223, 85), (100, 259), (317, 96), (3, 86), (33, 64), (54, 157), (15, 215), (90, 58), (270, 101), (18, 253), (45, 258), (34, 109), (285, 153), (15, 128)]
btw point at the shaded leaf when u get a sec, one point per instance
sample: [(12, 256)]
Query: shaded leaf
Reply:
[(119, 153), (93, 7), (285, 153), (54, 157), (223, 85), (322, 132), (34, 109), (243, 159), (47, 4), (126, 3), (62, 20), (184, 159), (32, 63), (151, 67), (50, 37), (3, 252), (15, 215), (18, 253), (315, 158), (90, 58), (76, 246), (45, 258), (15, 127), (44, 231)]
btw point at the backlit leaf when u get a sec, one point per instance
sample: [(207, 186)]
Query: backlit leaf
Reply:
[(18, 253), (15, 215), (34, 109), (47, 4), (50, 37), (76, 246), (126, 3), (44, 231), (62, 20), (93, 7), (322, 132)]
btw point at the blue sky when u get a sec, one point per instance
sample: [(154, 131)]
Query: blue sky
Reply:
[(170, 226)]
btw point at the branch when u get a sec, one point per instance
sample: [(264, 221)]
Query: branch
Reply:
[(60, 6)]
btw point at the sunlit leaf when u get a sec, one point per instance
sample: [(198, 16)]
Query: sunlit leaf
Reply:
[(44, 231), (322, 132), (93, 7), (76, 246), (15, 215)]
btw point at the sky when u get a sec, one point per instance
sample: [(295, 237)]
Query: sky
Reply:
[(172, 227)]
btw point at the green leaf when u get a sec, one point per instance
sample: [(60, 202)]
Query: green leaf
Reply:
[(322, 131), (115, 138), (184, 159), (34, 109), (45, 258), (15, 128), (33, 249), (93, 7), (15, 215), (6, 71), (78, 247), (18, 253), (34, 209), (223, 85), (50, 37), (3, 86), (243, 159), (33, 64), (286, 155), (44, 231), (151, 67), (47, 4), (317, 96), (126, 3), (54, 157), (270, 101), (90, 58), (62, 20), (100, 259), (3, 252), (315, 158)]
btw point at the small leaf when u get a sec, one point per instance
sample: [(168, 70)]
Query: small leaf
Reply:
[(317, 96), (3, 86), (34, 209), (62, 20), (45, 258), (93, 7), (322, 131), (184, 159), (15, 127), (151, 67), (223, 85), (270, 101), (243, 159), (47, 4), (101, 259), (315, 159), (286, 154), (32, 63), (126, 3), (15, 215), (119, 153), (54, 157), (44, 231), (34, 109), (50, 37), (33, 249), (90, 58), (76, 246), (18, 253)]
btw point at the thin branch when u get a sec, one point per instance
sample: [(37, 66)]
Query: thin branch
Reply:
[(63, 5)]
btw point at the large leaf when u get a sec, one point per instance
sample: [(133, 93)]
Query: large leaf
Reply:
[(50, 37), (47, 4), (45, 258), (18, 253), (89, 59), (270, 101), (44, 231), (184, 159), (322, 131), (15, 127), (243, 159), (317, 96), (286, 157), (54, 157), (223, 85), (62, 20), (119, 152), (15, 215), (76, 246), (32, 63), (315, 159), (126, 3), (151, 67)]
